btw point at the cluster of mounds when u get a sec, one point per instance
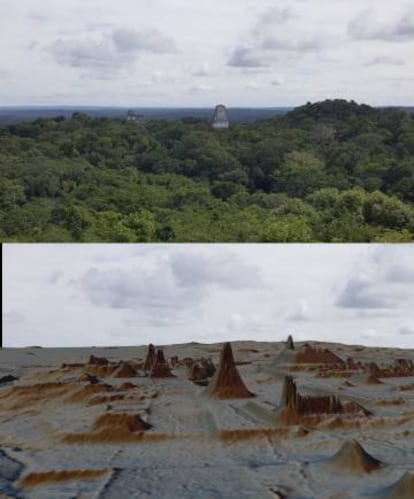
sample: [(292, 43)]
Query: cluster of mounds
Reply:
[(398, 369), (155, 365), (201, 370), (295, 408), (144, 407)]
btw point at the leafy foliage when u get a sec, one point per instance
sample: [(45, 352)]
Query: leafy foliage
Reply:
[(328, 171)]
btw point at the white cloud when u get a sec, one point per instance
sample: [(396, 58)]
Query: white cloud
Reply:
[(299, 312), (135, 294), (369, 25), (103, 53)]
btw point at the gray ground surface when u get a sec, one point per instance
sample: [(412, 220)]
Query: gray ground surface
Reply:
[(190, 459)]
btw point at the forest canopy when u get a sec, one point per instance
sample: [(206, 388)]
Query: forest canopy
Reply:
[(332, 171)]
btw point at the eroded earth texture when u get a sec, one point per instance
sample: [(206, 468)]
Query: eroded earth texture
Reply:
[(241, 420)]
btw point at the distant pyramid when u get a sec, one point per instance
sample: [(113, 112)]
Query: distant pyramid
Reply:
[(289, 343), (353, 457), (161, 369), (150, 358), (220, 120), (226, 382)]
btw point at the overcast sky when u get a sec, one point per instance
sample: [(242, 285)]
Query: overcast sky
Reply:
[(89, 294), (200, 53)]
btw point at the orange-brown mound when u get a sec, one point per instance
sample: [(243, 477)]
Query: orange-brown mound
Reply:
[(355, 422), (102, 371), (132, 422), (315, 356), (248, 433), (38, 389), (372, 380), (105, 399), (39, 478), (72, 365), (150, 358), (125, 370), (23, 396), (289, 416), (386, 402), (112, 427), (227, 382), (405, 388), (107, 436), (353, 457), (99, 361), (161, 370), (126, 386), (403, 489), (84, 392)]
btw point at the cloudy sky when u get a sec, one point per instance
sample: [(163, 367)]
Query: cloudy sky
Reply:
[(83, 295), (199, 53)]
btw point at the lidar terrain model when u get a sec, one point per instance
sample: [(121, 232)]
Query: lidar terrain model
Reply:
[(249, 419)]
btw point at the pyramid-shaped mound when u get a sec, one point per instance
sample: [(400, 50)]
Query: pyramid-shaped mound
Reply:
[(161, 369), (310, 355), (373, 380), (150, 358), (289, 343), (125, 370), (227, 382), (98, 361), (354, 458), (402, 489), (306, 354)]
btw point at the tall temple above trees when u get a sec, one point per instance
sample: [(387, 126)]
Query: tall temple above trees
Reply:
[(220, 120), (136, 118)]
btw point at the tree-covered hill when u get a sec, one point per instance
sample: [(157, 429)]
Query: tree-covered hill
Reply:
[(328, 171)]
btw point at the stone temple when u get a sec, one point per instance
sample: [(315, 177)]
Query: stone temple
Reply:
[(220, 120)]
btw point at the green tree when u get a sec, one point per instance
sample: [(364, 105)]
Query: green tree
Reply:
[(287, 229)]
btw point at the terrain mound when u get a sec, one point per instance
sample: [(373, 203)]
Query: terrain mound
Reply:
[(373, 380), (227, 382), (112, 427), (294, 407), (98, 361), (161, 369), (125, 370), (402, 489), (354, 458), (39, 478), (150, 358), (312, 355)]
